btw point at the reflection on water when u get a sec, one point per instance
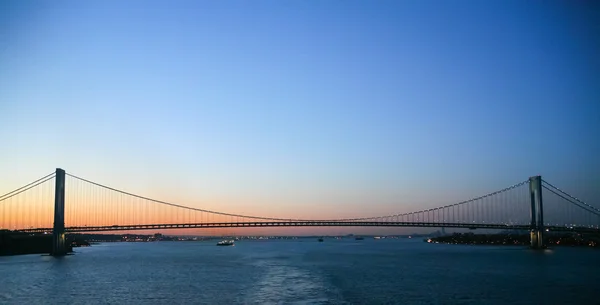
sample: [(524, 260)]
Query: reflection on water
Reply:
[(303, 272)]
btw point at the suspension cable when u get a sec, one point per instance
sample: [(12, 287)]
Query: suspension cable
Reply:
[(572, 197), (27, 187), (574, 203), (180, 206), (288, 219)]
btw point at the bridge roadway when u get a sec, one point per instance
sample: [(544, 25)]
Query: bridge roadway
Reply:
[(262, 224)]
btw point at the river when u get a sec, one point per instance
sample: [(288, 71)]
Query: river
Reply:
[(303, 271)]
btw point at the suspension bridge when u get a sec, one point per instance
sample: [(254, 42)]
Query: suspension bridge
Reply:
[(61, 203)]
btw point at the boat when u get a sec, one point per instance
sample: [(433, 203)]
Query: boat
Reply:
[(320, 240), (226, 243), (359, 238)]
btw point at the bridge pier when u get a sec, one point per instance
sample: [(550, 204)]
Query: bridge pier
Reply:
[(537, 213), (58, 231)]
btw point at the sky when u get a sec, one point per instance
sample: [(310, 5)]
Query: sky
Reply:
[(314, 109)]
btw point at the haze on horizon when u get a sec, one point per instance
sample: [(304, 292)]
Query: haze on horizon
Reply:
[(310, 109)]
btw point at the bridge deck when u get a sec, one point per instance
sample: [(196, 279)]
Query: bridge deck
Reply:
[(307, 224)]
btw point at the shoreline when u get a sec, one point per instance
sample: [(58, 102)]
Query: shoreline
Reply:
[(561, 240)]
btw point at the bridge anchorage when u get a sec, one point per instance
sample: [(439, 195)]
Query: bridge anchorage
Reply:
[(81, 205)]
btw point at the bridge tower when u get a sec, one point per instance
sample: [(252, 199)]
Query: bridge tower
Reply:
[(58, 231), (537, 213)]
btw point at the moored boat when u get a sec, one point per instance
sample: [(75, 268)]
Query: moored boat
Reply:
[(226, 243)]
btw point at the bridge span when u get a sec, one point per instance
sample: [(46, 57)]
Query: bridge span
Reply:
[(54, 205)]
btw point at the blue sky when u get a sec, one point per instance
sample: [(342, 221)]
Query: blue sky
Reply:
[(302, 107)]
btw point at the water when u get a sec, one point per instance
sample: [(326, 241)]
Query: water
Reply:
[(303, 272)]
